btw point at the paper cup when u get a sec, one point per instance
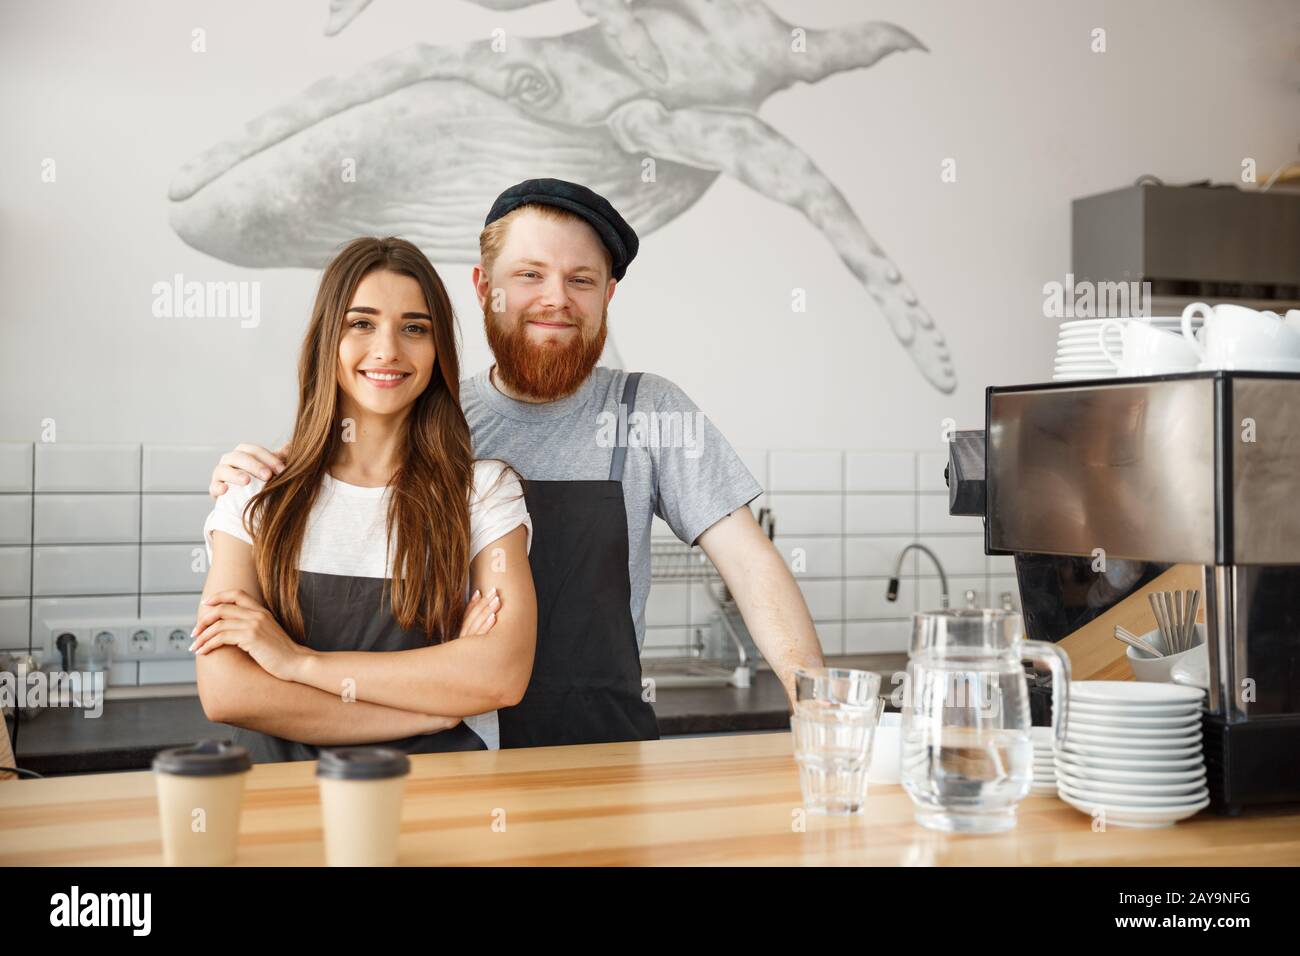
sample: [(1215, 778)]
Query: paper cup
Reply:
[(361, 804), (200, 791)]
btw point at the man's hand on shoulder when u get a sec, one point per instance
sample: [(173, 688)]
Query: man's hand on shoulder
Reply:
[(239, 466)]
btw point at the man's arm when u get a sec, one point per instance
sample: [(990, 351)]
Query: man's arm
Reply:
[(766, 593), (235, 690), (472, 674)]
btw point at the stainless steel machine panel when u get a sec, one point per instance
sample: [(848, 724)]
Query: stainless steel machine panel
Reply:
[(1127, 467), (1264, 426)]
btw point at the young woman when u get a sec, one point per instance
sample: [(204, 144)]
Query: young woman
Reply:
[(335, 608)]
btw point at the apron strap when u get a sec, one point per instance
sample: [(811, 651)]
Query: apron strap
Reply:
[(620, 450)]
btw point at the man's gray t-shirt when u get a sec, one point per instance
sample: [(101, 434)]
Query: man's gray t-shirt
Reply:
[(678, 465)]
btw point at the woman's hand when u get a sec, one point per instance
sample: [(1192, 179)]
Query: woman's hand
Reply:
[(233, 618), (437, 724), (480, 613)]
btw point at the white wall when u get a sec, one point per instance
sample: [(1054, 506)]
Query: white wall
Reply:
[(1009, 89)]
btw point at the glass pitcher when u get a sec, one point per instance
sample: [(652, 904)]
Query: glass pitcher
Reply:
[(967, 758)]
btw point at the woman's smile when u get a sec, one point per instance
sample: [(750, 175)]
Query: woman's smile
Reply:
[(384, 378)]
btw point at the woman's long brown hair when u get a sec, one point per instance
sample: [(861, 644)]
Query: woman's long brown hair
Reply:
[(431, 486)]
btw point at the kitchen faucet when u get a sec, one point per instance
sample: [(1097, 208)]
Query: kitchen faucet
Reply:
[(892, 593)]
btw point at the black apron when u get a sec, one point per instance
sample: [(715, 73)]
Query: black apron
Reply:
[(586, 683), (344, 613)]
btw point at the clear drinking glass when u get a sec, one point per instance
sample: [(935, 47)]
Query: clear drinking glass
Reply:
[(836, 711), (967, 758), (842, 686)]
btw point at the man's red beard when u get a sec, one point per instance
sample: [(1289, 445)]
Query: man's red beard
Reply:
[(548, 370)]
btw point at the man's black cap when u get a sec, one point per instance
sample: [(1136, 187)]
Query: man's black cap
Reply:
[(614, 232)]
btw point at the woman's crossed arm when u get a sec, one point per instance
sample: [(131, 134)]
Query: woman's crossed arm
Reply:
[(488, 666)]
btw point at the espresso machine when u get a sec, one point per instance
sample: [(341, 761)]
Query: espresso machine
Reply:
[(1198, 468)]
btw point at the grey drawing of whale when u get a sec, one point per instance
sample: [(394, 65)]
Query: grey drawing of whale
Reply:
[(434, 132)]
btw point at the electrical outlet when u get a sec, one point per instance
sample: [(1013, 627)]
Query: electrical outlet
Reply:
[(106, 642), (133, 639), (81, 648), (141, 641), (178, 639)]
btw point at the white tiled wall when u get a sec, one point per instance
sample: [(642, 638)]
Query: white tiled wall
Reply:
[(111, 529), (850, 513), (92, 530)]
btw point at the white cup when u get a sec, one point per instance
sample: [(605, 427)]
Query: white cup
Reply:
[(1146, 350), (886, 749), (1238, 337)]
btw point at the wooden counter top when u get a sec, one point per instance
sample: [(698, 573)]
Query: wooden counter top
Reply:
[(714, 800), (131, 731)]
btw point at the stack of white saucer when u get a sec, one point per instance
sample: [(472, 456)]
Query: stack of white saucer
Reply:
[(1044, 784), (1079, 352), (1133, 752)]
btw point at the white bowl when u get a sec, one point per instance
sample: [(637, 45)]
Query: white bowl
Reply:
[(1134, 743), (1158, 669), (1175, 790), (1115, 814), (1119, 731), (1132, 693), (1158, 726), (1102, 775), (1086, 709), (1129, 753), (1137, 765), (1132, 799)]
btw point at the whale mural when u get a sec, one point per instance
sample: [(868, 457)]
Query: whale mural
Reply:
[(434, 132)]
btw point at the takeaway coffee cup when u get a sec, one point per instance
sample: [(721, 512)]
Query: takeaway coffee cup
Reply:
[(361, 802), (200, 789)]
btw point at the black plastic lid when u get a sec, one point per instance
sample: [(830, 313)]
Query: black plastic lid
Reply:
[(207, 758), (362, 763)]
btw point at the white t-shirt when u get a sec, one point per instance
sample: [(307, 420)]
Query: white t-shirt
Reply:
[(345, 533)]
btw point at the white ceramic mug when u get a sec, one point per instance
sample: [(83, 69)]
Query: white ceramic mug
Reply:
[(1238, 337), (885, 749), (1146, 350)]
